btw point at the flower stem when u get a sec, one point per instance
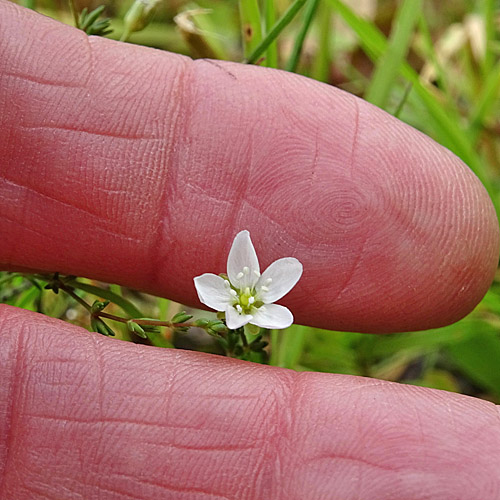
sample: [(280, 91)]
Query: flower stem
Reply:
[(72, 294)]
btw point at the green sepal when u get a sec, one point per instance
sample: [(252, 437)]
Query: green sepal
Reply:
[(201, 323), (217, 326), (98, 306), (137, 329), (181, 317), (99, 326), (89, 22), (258, 346)]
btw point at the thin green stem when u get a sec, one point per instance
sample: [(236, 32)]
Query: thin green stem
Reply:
[(301, 36), (321, 65), (29, 4), (270, 19), (142, 321), (244, 340), (488, 9), (75, 296), (387, 66), (251, 30), (279, 26), (72, 8), (430, 52), (403, 100)]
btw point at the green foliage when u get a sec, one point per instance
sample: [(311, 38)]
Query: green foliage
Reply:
[(91, 24)]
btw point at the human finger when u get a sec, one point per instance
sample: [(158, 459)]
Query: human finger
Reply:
[(137, 166), (82, 416)]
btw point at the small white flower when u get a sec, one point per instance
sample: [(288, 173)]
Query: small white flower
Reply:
[(248, 296)]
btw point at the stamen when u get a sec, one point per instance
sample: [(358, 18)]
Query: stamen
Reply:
[(264, 288), (251, 300), (268, 281), (238, 308), (256, 273), (227, 284), (233, 292), (246, 270), (239, 276)]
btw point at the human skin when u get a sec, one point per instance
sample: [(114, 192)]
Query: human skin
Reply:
[(139, 167)]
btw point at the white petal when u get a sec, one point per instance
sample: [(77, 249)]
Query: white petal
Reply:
[(212, 291), (236, 320), (272, 316), (284, 274), (242, 255)]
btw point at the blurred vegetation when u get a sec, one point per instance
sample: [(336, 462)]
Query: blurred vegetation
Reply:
[(433, 64)]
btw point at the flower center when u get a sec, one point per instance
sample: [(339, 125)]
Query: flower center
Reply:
[(245, 300)]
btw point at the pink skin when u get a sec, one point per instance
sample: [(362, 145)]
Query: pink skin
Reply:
[(139, 167), (86, 417)]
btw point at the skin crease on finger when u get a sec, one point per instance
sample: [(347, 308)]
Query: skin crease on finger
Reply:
[(136, 166), (93, 418)]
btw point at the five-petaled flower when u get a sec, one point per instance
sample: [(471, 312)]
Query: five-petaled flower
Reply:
[(246, 296)]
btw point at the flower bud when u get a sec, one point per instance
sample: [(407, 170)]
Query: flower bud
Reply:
[(181, 317), (139, 15)]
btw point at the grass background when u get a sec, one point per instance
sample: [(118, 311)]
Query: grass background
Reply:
[(433, 64)]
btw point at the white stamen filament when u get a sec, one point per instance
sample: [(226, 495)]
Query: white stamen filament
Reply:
[(256, 273)]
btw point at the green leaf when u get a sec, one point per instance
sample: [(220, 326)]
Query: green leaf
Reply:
[(250, 25), (287, 345), (279, 26), (309, 13), (270, 19), (478, 356), (121, 302), (484, 102), (99, 326), (91, 24), (98, 306), (388, 65), (181, 317), (137, 329)]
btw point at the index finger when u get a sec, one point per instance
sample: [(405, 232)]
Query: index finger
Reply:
[(138, 167)]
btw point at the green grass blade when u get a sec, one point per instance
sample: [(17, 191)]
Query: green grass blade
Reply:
[(278, 27), (488, 11), (127, 306), (287, 346), (28, 299), (485, 101), (293, 61), (270, 19), (478, 356), (430, 54), (322, 61), (403, 100), (250, 25), (387, 66)]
